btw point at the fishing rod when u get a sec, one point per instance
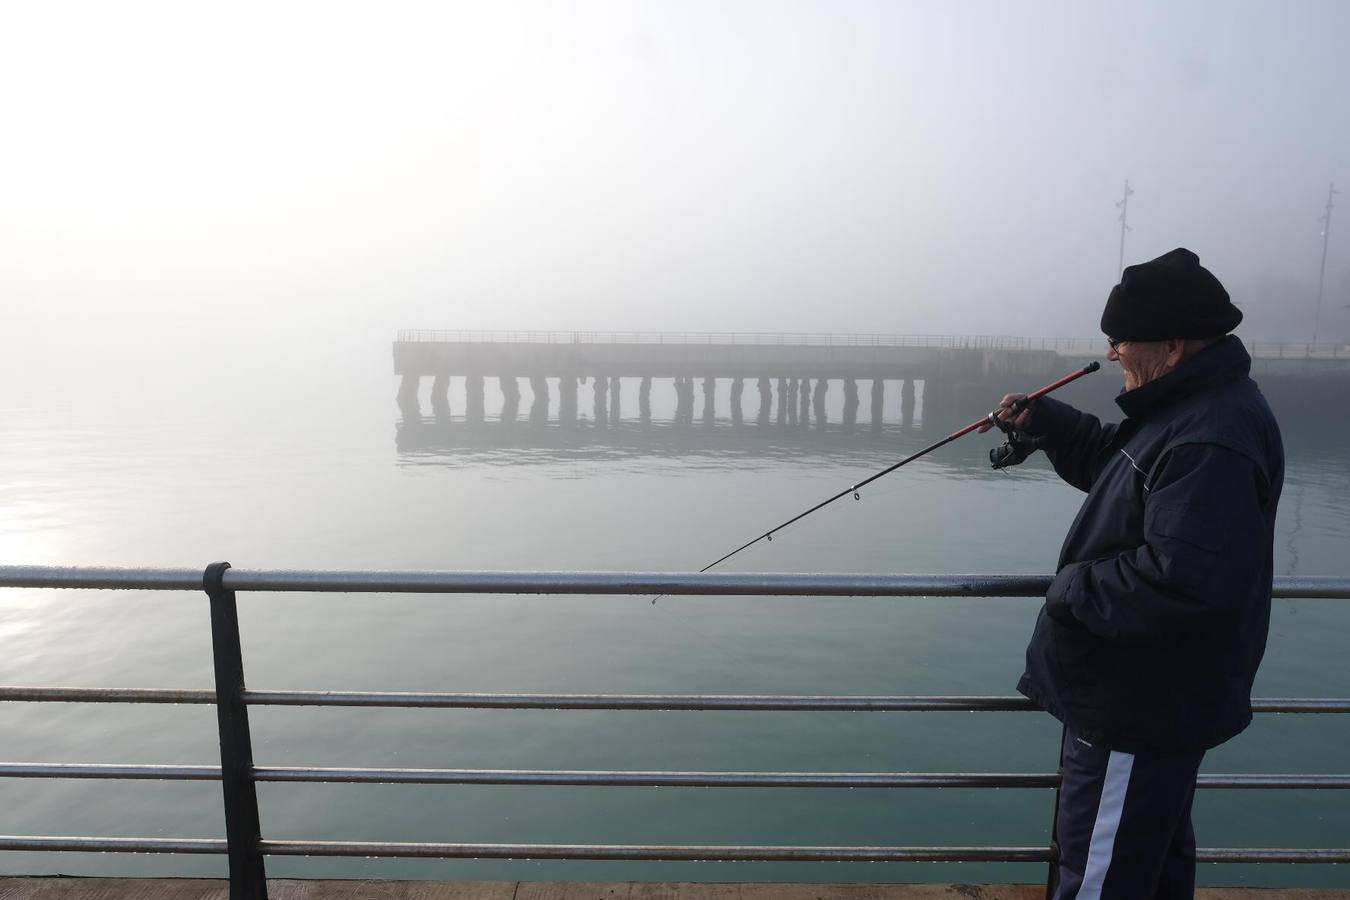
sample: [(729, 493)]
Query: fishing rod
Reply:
[(992, 418)]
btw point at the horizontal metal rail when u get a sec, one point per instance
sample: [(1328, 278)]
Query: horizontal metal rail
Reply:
[(735, 338), (110, 771), (653, 702), (173, 696), (1065, 345), (653, 852), (622, 778), (657, 779), (698, 853), (716, 853), (46, 843), (633, 583), (713, 702)]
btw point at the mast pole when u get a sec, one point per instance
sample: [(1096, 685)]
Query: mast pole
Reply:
[(1322, 275), (1124, 206)]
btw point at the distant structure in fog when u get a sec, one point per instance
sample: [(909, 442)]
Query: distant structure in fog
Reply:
[(800, 366), (1124, 206), (945, 377), (1322, 275)]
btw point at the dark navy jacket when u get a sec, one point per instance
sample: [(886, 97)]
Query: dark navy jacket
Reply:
[(1154, 626)]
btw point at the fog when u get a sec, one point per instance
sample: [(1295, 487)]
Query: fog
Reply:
[(263, 187), (215, 218)]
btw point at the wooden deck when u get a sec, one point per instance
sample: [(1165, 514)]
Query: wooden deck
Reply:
[(62, 888)]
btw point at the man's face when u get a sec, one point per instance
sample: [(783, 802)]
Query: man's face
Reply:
[(1144, 361)]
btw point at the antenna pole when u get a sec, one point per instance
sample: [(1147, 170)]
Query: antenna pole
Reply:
[(1322, 276), (1124, 206)]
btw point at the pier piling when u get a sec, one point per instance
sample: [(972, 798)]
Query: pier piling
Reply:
[(850, 404), (473, 398), (600, 401)]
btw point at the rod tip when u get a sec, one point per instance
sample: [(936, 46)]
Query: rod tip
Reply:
[(1093, 366)]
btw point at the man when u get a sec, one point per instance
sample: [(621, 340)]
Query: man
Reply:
[(1156, 620)]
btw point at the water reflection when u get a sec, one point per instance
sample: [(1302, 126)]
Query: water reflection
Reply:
[(790, 417), (429, 438), (1317, 481), (800, 420)]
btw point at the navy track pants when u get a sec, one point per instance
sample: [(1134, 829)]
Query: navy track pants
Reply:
[(1123, 825)]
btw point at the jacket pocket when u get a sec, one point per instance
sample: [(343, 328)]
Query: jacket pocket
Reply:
[(1193, 523), (1083, 662)]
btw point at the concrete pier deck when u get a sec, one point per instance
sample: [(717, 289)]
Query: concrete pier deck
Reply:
[(62, 888)]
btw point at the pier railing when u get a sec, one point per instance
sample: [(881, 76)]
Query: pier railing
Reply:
[(720, 338), (1070, 346), (247, 846)]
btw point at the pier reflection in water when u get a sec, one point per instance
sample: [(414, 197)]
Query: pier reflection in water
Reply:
[(689, 416), (598, 401)]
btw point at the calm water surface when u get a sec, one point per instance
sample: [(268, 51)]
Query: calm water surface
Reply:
[(274, 483)]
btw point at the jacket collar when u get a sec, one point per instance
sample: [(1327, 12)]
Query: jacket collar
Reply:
[(1219, 363)]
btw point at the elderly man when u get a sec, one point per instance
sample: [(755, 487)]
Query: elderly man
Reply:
[(1155, 623)]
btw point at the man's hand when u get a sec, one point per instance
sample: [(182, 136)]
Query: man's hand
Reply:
[(1005, 413)]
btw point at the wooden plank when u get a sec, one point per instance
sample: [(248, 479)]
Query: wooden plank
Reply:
[(62, 888), (573, 890), (348, 889), (891, 892), (676, 890), (461, 890), (20, 888), (292, 889)]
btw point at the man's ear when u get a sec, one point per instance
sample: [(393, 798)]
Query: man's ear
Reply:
[(1176, 352)]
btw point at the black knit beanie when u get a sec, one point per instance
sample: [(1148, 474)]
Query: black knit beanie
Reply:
[(1172, 296)]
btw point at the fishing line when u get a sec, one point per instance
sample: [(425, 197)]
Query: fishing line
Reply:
[(990, 419)]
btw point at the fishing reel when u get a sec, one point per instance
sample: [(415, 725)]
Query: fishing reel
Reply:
[(1019, 446)]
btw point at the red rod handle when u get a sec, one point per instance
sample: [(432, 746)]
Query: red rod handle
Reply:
[(1073, 376)]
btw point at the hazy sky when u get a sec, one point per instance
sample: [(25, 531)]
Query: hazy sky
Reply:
[(180, 178)]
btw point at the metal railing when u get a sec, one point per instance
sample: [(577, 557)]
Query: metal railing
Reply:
[(1070, 346), (239, 775), (1299, 350), (737, 338)]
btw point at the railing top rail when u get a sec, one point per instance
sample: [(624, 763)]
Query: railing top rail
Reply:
[(635, 777), (613, 702), (561, 582), (738, 338), (1071, 345), (703, 853)]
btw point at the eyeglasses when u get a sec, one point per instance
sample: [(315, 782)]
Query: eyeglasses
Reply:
[(1114, 343)]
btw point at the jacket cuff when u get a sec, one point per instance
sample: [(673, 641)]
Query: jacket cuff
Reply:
[(1057, 603), (1052, 419)]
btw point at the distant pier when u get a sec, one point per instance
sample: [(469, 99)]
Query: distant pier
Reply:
[(788, 377)]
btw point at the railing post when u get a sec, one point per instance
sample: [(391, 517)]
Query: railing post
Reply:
[(248, 879), (1052, 872)]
